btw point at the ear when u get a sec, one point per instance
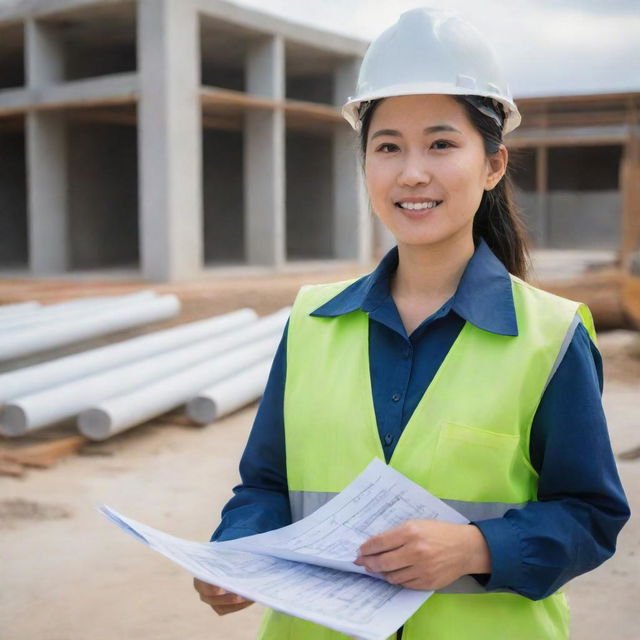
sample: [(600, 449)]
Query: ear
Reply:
[(497, 167)]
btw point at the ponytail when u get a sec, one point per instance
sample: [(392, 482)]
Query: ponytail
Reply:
[(498, 222)]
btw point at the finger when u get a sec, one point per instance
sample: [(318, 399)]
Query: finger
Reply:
[(417, 582), (223, 599), (402, 576), (223, 610), (387, 541), (207, 589), (388, 561)]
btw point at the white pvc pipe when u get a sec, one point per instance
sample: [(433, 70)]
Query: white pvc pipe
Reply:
[(123, 412), (17, 308), (71, 310), (48, 406), (108, 319), (228, 395), (55, 372)]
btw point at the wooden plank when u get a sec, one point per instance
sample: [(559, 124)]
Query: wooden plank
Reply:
[(44, 454), (631, 300), (10, 468), (591, 98), (216, 96), (601, 292)]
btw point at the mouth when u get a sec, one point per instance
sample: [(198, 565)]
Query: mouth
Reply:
[(416, 208)]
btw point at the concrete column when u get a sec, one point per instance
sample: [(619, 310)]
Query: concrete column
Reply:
[(169, 140), (264, 156), (353, 228), (47, 190), (542, 178)]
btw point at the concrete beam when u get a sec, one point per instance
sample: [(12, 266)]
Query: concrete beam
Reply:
[(264, 156), (14, 10), (563, 136), (170, 140), (269, 24), (14, 101), (120, 88)]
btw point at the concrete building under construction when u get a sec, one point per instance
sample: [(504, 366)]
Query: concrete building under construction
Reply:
[(167, 137), (163, 138)]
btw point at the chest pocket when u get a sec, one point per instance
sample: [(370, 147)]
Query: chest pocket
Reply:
[(477, 465)]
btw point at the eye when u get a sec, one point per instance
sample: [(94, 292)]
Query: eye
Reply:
[(386, 144), (444, 142)]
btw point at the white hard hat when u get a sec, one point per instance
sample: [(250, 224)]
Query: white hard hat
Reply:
[(431, 51)]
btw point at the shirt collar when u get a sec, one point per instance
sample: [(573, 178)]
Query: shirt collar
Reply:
[(483, 297)]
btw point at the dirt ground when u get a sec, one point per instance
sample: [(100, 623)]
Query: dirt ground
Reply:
[(67, 574)]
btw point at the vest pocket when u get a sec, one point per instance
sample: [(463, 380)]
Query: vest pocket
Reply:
[(477, 465)]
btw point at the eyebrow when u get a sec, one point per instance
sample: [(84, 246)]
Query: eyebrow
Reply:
[(425, 131)]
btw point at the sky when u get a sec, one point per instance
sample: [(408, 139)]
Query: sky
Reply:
[(546, 47)]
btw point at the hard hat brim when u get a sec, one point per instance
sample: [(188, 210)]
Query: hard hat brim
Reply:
[(349, 110)]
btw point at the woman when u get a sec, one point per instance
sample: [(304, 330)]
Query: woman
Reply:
[(444, 362)]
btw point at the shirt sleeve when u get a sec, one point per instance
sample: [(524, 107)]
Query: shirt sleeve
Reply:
[(581, 504), (261, 500)]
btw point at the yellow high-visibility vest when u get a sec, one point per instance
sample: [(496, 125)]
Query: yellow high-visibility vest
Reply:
[(467, 442)]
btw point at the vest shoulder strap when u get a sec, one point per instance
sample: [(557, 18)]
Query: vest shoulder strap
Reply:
[(560, 303)]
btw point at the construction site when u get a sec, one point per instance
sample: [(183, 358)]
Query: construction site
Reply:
[(171, 173)]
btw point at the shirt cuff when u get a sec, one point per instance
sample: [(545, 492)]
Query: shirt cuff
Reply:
[(505, 549), (232, 533)]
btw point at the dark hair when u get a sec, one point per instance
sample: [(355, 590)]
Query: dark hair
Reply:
[(497, 219)]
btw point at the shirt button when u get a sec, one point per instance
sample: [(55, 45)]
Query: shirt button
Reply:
[(406, 352), (388, 438), (395, 397)]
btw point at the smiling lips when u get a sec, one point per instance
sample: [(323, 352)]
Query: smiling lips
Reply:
[(418, 206)]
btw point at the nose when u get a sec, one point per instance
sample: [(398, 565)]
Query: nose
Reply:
[(414, 170)]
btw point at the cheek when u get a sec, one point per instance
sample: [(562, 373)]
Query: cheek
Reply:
[(464, 180), (377, 179)]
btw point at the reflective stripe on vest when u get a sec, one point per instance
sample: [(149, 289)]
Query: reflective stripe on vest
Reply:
[(467, 441)]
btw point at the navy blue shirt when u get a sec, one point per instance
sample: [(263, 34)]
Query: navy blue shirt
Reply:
[(534, 550)]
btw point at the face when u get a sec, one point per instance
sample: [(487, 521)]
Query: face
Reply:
[(423, 150)]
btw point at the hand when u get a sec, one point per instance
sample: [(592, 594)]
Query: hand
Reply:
[(221, 601), (426, 554)]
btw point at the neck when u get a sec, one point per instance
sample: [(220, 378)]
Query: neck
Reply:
[(431, 271)]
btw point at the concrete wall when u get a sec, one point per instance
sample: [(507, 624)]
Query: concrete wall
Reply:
[(13, 200), (528, 203), (309, 196), (103, 195), (584, 219), (312, 88), (584, 168), (222, 184)]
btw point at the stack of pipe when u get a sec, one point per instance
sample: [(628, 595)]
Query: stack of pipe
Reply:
[(38, 328), (119, 386)]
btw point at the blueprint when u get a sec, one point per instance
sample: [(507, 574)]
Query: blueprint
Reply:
[(379, 499), (306, 569)]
